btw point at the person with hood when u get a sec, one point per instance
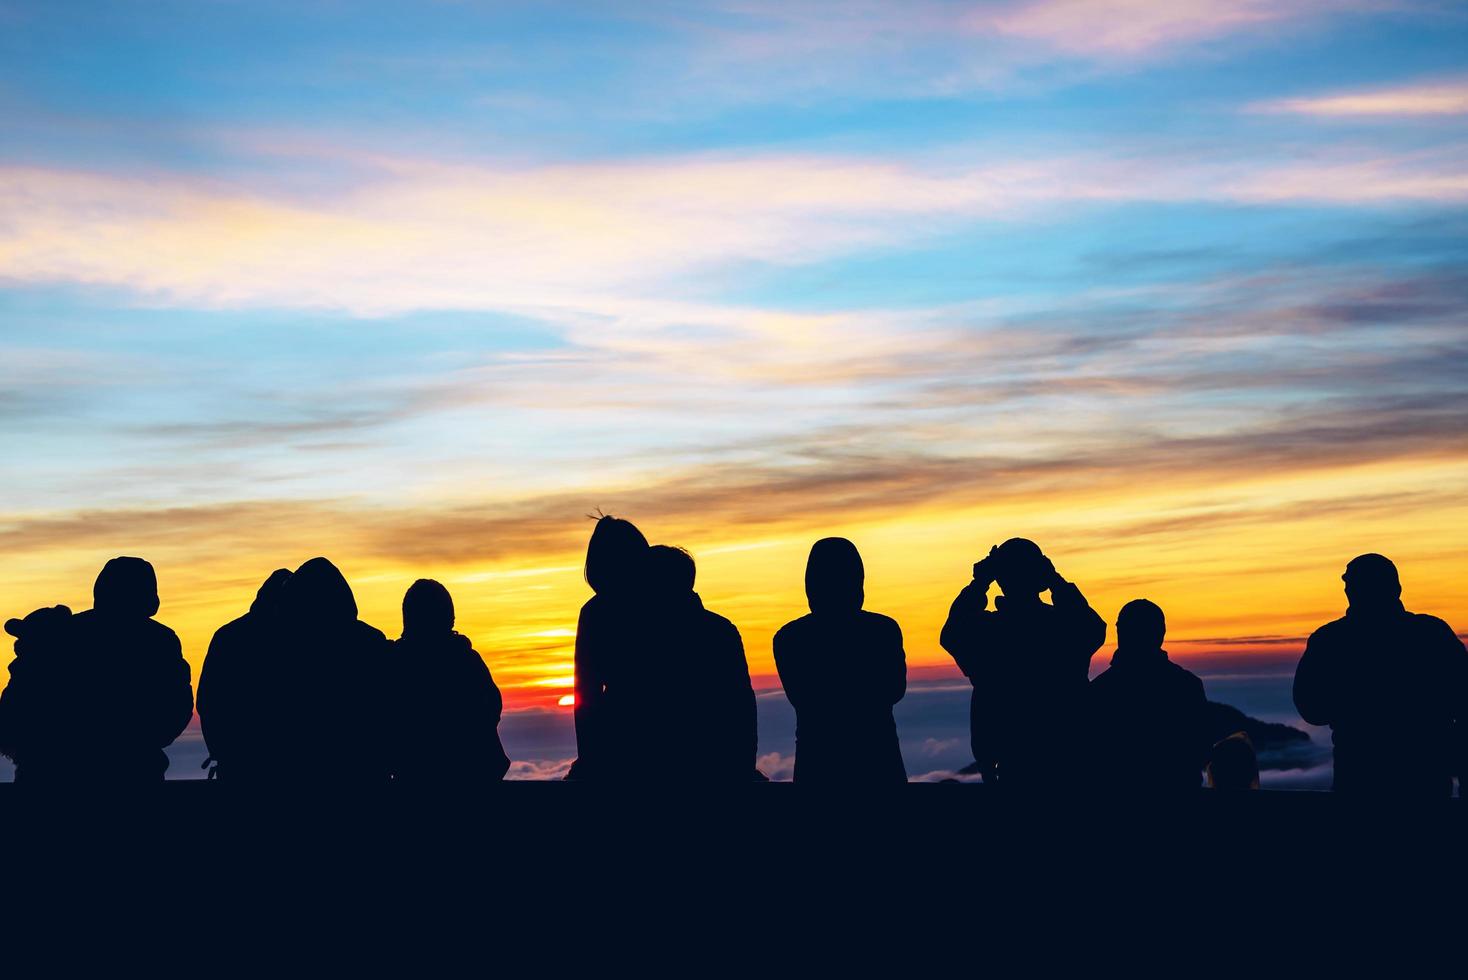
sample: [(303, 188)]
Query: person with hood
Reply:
[(843, 669), (446, 706), (1391, 684), (325, 712), (1029, 662), (111, 689), (1149, 726), (608, 632), (685, 701), (234, 684)]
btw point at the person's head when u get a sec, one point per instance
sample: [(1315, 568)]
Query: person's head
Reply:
[(1233, 764), (427, 608), (272, 591), (670, 571), (1140, 625), (126, 587), (1372, 582), (834, 576), (317, 593), (38, 629), (614, 554), (1021, 568)]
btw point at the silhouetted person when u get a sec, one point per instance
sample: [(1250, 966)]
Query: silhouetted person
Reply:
[(608, 631), (322, 712), (235, 684), (843, 669), (1390, 684), (1232, 764), (1029, 663), (110, 689), (445, 703), (1148, 716), (38, 635), (682, 709)]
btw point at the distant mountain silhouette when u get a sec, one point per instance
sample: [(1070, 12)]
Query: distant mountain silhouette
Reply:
[(1279, 746), (1267, 736)]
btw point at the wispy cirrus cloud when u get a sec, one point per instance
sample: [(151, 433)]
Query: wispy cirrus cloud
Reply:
[(424, 235), (756, 48), (1442, 97), (1133, 28)]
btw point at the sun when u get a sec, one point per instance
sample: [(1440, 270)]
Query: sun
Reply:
[(567, 700)]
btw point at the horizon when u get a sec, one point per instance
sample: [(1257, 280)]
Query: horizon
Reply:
[(1178, 293)]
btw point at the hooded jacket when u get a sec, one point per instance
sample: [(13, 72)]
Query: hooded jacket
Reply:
[(320, 712), (842, 669), (235, 680)]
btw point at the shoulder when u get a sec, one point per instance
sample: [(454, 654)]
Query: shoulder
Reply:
[(879, 623), (160, 633), (720, 624), (1330, 632), (795, 629), (1185, 678), (368, 634), (230, 629), (461, 647), (1435, 627)]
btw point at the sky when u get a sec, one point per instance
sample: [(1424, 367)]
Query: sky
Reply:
[(1176, 290)]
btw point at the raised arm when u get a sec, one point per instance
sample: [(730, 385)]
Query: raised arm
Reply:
[(1087, 628), (966, 629)]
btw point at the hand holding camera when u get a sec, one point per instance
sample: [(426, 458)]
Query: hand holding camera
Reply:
[(985, 569)]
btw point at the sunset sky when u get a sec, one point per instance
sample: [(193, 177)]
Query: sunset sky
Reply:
[(1176, 289)]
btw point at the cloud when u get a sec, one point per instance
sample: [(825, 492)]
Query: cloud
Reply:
[(1129, 29), (1440, 177), (589, 238), (1444, 97), (553, 769), (777, 767), (427, 236), (760, 50)]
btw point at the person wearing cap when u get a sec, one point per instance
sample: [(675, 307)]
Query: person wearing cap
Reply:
[(1391, 684), (1029, 662)]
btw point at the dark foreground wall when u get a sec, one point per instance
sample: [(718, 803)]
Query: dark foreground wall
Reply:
[(559, 871)]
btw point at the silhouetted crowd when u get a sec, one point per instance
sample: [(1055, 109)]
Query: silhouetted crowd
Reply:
[(300, 691)]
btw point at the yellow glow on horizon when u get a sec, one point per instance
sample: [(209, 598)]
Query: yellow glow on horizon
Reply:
[(1257, 555)]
